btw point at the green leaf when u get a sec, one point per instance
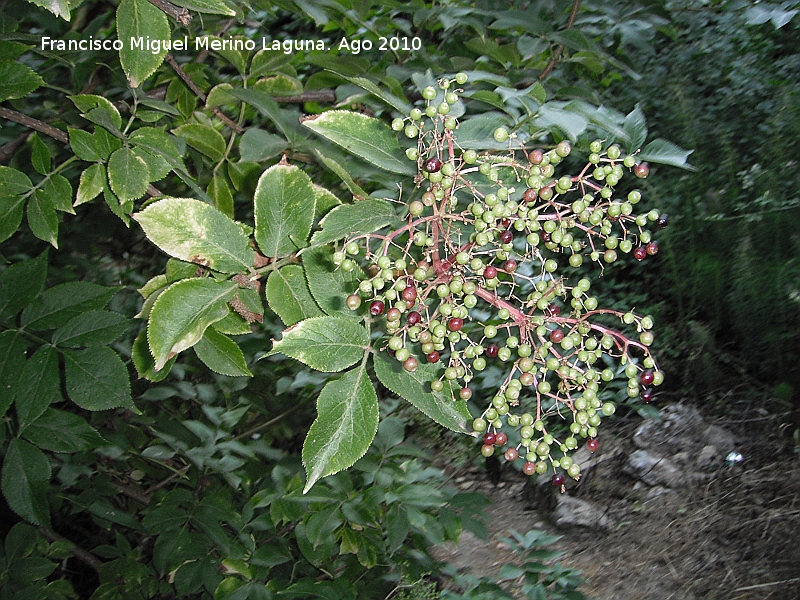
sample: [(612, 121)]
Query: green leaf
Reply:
[(204, 139), (42, 386), (97, 379), (366, 137), (17, 80), (105, 143), (57, 192), (399, 104), (342, 173), (11, 211), (61, 303), (42, 219), (12, 362), (86, 103), (220, 192), (221, 354), (59, 8), (257, 145), (197, 232), (325, 200), (182, 313), (144, 362), (61, 431), (328, 285), (92, 328), (636, 128), (140, 19), (40, 155), (157, 166), (279, 84), (285, 120), (666, 153), (20, 283), (365, 216), (477, 133), (326, 344), (92, 182), (158, 143), (554, 117), (346, 423), (214, 7), (415, 387), (288, 295), (26, 473), (284, 209), (13, 182), (128, 174)]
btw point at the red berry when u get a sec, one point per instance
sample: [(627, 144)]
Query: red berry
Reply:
[(500, 439), (410, 364), (641, 170), (409, 294), (556, 336), (592, 445), (545, 236), (558, 480), (640, 253), (510, 266), (530, 195), (529, 468), (491, 350), (553, 310), (489, 438), (536, 156), (433, 165), (433, 357), (376, 308), (652, 248), (647, 395), (647, 377), (507, 236), (511, 454), (505, 223), (393, 314), (413, 317), (465, 393), (455, 324), (490, 272)]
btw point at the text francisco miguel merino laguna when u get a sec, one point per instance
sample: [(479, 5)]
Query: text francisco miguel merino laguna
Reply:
[(156, 46)]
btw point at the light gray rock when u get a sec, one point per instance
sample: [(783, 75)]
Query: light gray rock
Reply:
[(653, 470), (574, 512), (708, 457), (720, 438)]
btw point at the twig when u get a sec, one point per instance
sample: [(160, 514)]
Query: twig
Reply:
[(161, 484), (761, 585), (8, 150), (76, 550), (258, 428), (132, 492), (199, 93), (315, 96), (181, 15), (32, 123), (576, 5)]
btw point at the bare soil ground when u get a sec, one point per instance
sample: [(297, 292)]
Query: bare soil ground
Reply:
[(734, 536)]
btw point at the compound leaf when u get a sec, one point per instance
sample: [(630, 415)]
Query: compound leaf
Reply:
[(54, 307), (41, 386), (61, 431), (221, 354), (137, 19), (365, 216), (20, 283), (328, 285), (26, 473), (97, 379), (288, 295), (326, 344), (92, 328), (128, 174)]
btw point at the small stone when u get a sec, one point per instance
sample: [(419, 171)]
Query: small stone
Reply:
[(707, 457), (653, 470), (574, 512)]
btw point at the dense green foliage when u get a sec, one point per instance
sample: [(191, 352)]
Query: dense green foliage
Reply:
[(160, 456)]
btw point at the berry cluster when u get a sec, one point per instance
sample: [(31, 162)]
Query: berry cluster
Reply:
[(479, 273)]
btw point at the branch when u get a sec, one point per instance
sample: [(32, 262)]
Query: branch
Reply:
[(576, 5), (78, 552), (199, 93), (8, 149), (181, 15), (32, 123), (315, 96)]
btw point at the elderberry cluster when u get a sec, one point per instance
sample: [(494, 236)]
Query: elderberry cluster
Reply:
[(480, 272)]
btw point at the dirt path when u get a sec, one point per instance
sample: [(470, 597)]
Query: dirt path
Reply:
[(733, 534)]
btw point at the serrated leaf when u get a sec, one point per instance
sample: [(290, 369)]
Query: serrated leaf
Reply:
[(415, 387), (569, 123), (285, 120), (196, 232), (92, 182), (128, 174), (58, 193), (346, 423), (20, 283), (636, 128), (144, 362), (42, 386), (284, 209), (342, 173), (220, 192), (86, 103), (59, 304), (400, 104), (12, 362), (11, 210), (666, 153), (97, 379), (92, 328), (366, 137), (279, 84), (159, 143), (40, 153), (42, 219), (365, 216), (204, 139), (477, 133), (140, 19), (325, 200), (61, 431), (157, 166), (59, 8), (221, 354), (327, 344), (105, 143), (328, 285), (182, 313), (257, 145), (288, 295), (214, 7), (26, 473), (17, 80)]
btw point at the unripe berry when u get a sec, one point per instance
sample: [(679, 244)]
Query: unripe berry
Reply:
[(511, 454), (652, 248), (500, 439), (641, 170), (501, 134), (410, 364), (353, 301)]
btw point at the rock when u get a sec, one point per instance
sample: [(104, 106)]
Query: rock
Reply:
[(574, 512), (720, 438), (653, 470), (707, 457)]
